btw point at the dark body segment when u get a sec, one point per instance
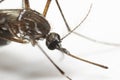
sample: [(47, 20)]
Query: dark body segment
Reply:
[(41, 24), (5, 17), (22, 25)]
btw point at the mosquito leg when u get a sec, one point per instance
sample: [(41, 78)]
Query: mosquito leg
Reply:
[(60, 70), (72, 31), (97, 41), (68, 27), (25, 4), (46, 7), (66, 23), (78, 34)]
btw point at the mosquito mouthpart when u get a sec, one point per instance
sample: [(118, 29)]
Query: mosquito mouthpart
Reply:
[(78, 58)]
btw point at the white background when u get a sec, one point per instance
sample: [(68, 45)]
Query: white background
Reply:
[(24, 62)]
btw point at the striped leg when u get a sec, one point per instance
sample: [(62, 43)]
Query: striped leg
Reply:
[(25, 4), (46, 7)]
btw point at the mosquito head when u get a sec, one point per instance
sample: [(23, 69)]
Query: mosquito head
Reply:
[(53, 41)]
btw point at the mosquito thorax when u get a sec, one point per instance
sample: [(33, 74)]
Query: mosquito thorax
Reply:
[(53, 41)]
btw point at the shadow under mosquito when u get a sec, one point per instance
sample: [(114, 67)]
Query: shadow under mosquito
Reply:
[(12, 64), (36, 69)]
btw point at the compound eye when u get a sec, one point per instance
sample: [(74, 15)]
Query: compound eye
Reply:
[(53, 41)]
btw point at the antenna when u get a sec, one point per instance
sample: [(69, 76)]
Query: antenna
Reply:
[(71, 31)]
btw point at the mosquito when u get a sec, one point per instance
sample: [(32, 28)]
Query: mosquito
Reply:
[(29, 26)]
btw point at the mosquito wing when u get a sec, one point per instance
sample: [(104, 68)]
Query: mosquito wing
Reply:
[(10, 14)]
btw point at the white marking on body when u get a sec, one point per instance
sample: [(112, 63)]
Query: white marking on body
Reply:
[(21, 14)]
